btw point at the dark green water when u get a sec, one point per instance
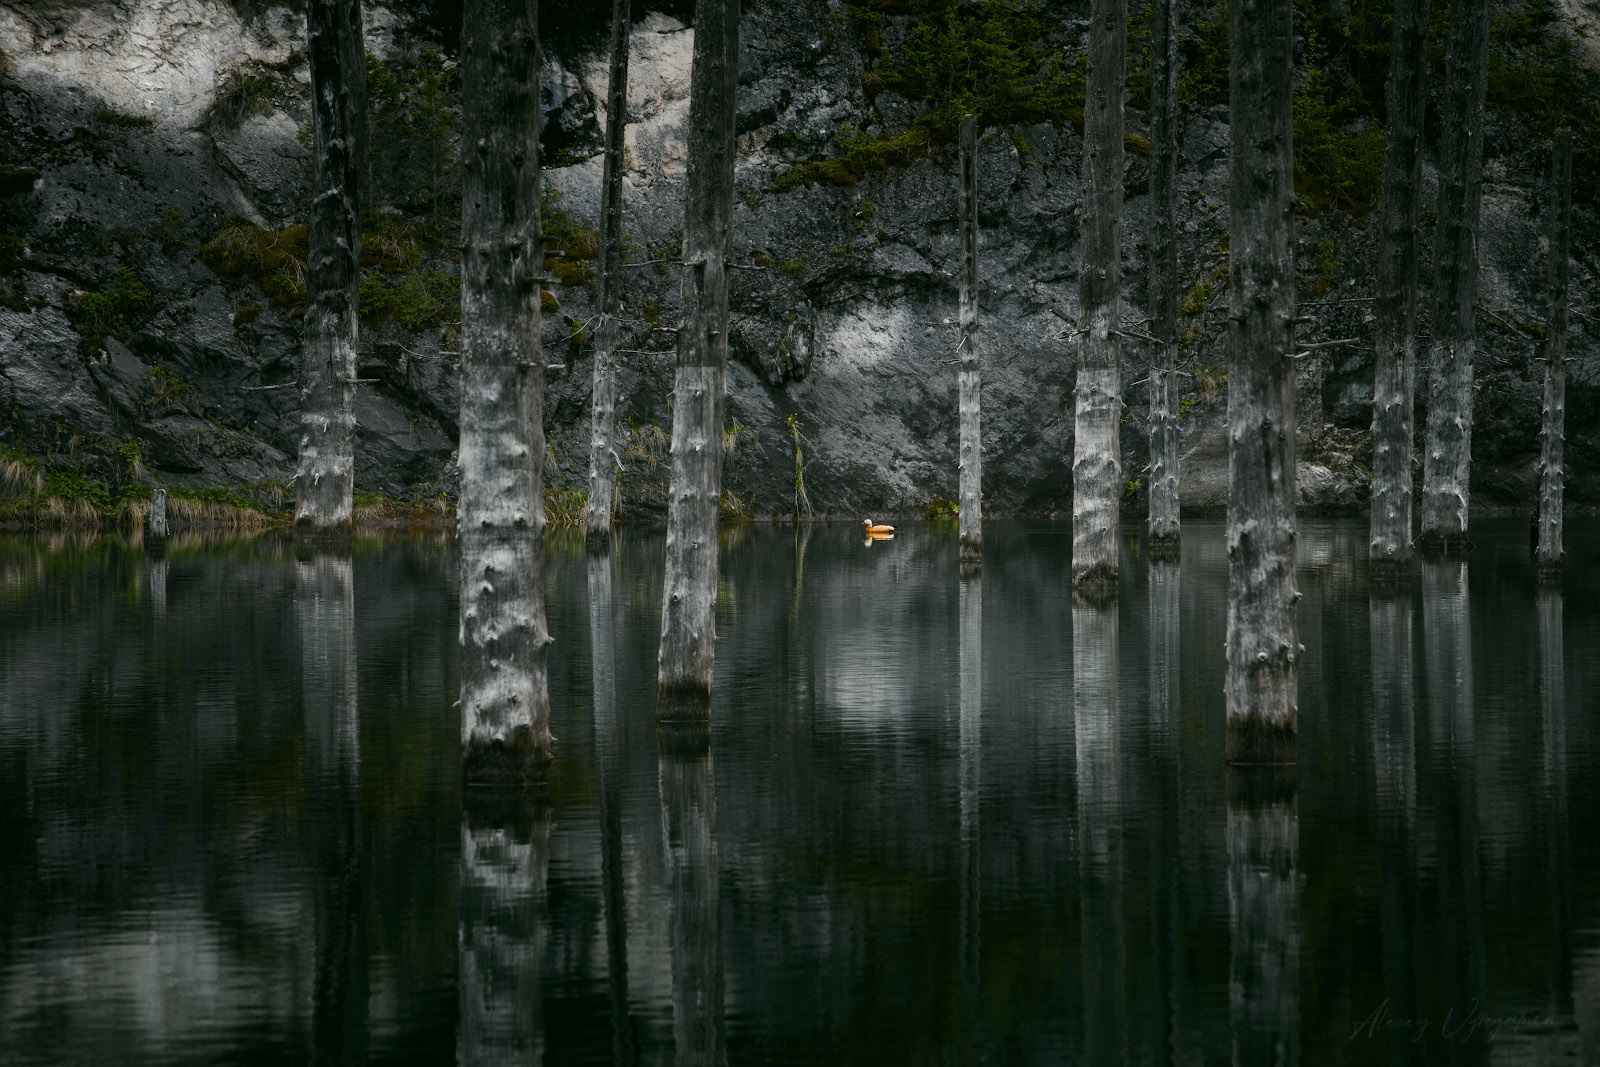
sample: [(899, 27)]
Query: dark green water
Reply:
[(936, 823)]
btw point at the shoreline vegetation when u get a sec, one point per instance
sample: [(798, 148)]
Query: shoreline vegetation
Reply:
[(36, 496)]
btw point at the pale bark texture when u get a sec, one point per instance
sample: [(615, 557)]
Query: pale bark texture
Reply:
[(971, 384), (1264, 914), (503, 926), (1262, 642), (324, 607), (689, 594), (1163, 298), (505, 703), (1447, 453), (603, 459), (155, 523), (1395, 330), (1551, 470), (688, 790), (1097, 733), (325, 480), (1097, 448)]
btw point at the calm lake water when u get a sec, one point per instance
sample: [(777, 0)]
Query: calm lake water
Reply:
[(938, 821)]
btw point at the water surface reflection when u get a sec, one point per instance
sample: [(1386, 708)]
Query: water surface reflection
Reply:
[(935, 820)]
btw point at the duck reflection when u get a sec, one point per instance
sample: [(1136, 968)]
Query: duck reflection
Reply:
[(1097, 727), (688, 791), (1264, 914), (505, 863), (325, 613)]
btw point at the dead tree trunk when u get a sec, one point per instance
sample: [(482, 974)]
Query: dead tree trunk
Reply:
[(1163, 298), (1447, 456), (1395, 332), (603, 460), (505, 702), (1097, 449), (1551, 472), (325, 481), (689, 595), (971, 533), (155, 525), (1262, 643)]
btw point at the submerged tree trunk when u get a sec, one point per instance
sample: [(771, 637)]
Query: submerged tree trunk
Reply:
[(1447, 456), (1262, 641), (155, 525), (1551, 472), (1163, 297), (689, 594), (1395, 332), (505, 703), (325, 481), (603, 460), (1097, 449), (971, 534)]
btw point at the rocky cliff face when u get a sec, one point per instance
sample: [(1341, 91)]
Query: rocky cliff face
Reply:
[(136, 136)]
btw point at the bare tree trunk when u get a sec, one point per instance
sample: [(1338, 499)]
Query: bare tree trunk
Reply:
[(689, 594), (1447, 455), (688, 785), (971, 532), (1395, 332), (1262, 641), (1097, 733), (603, 460), (1551, 472), (1264, 913), (505, 702), (1097, 448), (503, 926), (155, 524), (325, 481), (1163, 295)]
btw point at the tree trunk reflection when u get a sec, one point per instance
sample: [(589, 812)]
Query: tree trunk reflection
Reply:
[(1264, 914), (971, 651), (688, 789), (609, 765), (325, 612), (505, 860), (1097, 725)]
